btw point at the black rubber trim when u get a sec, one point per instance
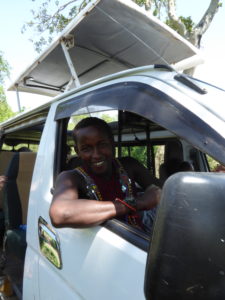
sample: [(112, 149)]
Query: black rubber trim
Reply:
[(165, 67), (186, 81)]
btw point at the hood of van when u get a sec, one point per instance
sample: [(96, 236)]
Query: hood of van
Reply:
[(108, 36)]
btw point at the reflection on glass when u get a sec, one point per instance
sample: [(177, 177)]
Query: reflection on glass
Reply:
[(49, 244)]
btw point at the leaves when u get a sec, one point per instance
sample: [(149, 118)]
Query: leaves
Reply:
[(188, 23), (4, 68), (5, 110), (50, 19)]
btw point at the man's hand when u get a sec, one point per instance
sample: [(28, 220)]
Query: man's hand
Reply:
[(150, 198)]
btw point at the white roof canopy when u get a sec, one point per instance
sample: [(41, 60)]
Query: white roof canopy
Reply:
[(108, 36)]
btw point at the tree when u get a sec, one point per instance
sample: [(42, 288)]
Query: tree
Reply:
[(186, 27), (5, 110), (52, 17), (4, 68)]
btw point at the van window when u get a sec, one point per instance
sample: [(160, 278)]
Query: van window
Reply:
[(151, 103), (132, 138), (26, 139), (17, 160), (147, 124), (159, 151), (214, 165)]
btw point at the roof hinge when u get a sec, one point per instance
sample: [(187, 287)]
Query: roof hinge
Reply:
[(68, 43)]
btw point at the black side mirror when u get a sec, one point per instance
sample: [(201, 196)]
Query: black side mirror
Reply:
[(187, 254)]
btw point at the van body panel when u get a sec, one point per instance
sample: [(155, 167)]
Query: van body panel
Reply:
[(40, 197), (110, 259), (78, 247), (31, 275)]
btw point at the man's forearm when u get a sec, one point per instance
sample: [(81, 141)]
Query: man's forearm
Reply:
[(83, 213)]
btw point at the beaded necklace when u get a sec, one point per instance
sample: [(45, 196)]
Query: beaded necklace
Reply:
[(126, 187), (93, 190)]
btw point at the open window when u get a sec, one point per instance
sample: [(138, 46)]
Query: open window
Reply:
[(147, 124), (19, 147)]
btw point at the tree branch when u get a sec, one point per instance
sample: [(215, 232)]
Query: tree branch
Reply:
[(171, 8), (148, 5), (205, 22)]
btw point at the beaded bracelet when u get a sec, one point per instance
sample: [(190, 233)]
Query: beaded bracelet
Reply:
[(126, 204)]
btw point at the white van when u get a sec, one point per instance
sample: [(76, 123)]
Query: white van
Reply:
[(158, 116)]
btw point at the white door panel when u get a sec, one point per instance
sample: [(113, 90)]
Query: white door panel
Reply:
[(96, 264)]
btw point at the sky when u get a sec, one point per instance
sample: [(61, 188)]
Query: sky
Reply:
[(20, 53)]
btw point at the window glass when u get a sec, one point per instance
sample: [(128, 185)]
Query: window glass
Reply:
[(159, 154), (26, 139), (214, 166)]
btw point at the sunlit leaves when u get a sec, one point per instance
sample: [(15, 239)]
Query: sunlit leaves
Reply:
[(4, 68)]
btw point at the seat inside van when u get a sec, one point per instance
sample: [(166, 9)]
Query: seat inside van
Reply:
[(5, 157), (16, 196), (173, 157)]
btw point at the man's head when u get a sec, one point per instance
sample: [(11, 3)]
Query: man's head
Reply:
[(94, 144), (94, 122)]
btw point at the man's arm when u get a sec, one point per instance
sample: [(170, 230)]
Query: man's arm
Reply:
[(67, 210), (150, 185)]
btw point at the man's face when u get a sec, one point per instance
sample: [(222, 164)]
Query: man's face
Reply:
[(95, 149)]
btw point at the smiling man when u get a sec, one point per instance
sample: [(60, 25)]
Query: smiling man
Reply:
[(103, 187)]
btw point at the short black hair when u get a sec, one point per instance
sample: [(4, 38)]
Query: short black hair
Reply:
[(94, 122)]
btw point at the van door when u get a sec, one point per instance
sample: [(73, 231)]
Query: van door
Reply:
[(92, 263), (108, 261)]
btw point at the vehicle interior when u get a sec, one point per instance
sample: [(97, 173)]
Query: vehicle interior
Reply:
[(156, 148), (159, 150), (17, 158)]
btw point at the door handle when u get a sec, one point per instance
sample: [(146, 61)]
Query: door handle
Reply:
[(49, 243)]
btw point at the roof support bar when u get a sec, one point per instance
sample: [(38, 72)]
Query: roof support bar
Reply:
[(69, 84), (18, 98), (66, 45)]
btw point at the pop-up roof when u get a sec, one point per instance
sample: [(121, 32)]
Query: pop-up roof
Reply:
[(108, 36)]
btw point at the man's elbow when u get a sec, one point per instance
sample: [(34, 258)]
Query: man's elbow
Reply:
[(57, 216)]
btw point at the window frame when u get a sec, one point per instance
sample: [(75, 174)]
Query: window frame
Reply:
[(155, 106)]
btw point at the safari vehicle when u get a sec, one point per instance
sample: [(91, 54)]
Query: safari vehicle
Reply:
[(115, 71)]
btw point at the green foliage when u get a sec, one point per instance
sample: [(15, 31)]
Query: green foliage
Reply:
[(212, 162), (140, 2), (157, 7), (4, 68), (140, 153), (5, 110), (48, 20), (108, 118), (137, 152), (189, 24), (76, 119)]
